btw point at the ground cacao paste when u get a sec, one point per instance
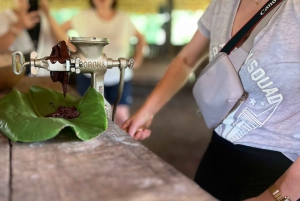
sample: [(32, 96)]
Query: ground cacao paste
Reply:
[(60, 53), (65, 112)]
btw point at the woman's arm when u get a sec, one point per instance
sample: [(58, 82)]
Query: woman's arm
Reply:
[(171, 83), (15, 22), (9, 37), (66, 26), (288, 185), (57, 31), (138, 53)]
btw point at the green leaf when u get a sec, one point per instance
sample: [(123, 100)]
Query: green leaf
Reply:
[(22, 115)]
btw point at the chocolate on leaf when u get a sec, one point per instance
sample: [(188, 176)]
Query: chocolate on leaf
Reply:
[(65, 112)]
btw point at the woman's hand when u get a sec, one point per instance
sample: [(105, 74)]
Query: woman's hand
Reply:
[(137, 125), (26, 20), (29, 20)]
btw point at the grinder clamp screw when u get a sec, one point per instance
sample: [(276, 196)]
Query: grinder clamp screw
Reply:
[(130, 63)]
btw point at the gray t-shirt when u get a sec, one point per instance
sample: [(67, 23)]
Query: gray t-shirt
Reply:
[(270, 117)]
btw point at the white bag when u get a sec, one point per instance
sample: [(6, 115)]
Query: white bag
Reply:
[(218, 88)]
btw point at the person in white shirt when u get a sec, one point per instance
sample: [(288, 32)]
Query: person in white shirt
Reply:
[(15, 24), (254, 153)]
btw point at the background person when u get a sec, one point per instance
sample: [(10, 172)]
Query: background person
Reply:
[(49, 34), (14, 25), (267, 153), (26, 31)]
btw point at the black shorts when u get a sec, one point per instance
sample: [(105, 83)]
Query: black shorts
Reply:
[(236, 172), (110, 92)]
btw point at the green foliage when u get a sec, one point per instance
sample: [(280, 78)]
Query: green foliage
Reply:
[(22, 115)]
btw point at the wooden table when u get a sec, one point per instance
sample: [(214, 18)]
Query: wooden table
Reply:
[(111, 167)]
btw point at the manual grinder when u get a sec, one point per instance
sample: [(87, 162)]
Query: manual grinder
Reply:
[(88, 58)]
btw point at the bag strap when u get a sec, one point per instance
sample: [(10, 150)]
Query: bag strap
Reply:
[(256, 23), (248, 44), (239, 55)]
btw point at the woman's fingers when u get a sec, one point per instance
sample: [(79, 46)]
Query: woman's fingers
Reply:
[(138, 135), (29, 20), (125, 125), (146, 134), (23, 5), (142, 134), (71, 46), (133, 127), (136, 127), (45, 7)]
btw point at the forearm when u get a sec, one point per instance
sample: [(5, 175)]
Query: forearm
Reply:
[(58, 33), (9, 37), (289, 183), (174, 78), (177, 73), (11, 28)]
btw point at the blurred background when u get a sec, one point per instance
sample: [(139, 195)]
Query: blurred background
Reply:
[(179, 135), (166, 24)]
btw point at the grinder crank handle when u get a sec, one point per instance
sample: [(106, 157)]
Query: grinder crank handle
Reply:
[(122, 64), (15, 64), (34, 63)]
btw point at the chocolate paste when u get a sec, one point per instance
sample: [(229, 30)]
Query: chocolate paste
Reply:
[(65, 112), (60, 53)]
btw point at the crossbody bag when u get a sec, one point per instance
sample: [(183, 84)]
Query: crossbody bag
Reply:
[(218, 88)]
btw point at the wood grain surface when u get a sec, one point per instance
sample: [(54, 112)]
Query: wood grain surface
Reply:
[(111, 167), (4, 168)]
